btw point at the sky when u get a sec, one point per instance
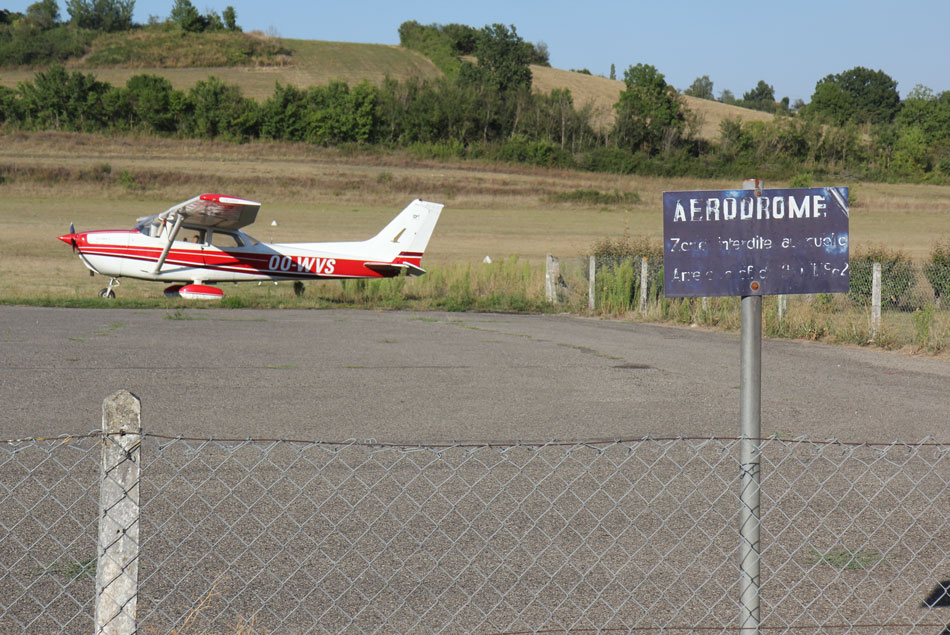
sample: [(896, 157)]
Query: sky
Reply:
[(789, 45)]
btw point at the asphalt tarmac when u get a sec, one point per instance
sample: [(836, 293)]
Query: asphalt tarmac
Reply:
[(296, 537), (332, 375)]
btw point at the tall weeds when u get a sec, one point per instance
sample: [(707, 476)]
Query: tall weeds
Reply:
[(513, 285), (508, 285)]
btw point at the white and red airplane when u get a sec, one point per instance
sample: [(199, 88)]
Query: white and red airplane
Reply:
[(197, 243)]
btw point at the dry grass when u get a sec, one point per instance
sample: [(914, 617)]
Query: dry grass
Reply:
[(195, 621), (150, 48), (601, 94), (52, 179)]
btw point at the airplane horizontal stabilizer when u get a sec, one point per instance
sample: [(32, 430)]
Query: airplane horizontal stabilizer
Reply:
[(390, 269)]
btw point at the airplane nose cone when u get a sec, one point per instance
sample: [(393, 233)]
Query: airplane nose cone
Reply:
[(72, 239)]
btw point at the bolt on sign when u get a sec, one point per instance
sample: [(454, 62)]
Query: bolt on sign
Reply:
[(755, 242)]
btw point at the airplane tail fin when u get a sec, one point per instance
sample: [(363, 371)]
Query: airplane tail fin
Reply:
[(403, 241)]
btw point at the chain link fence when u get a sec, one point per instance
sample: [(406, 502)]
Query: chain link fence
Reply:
[(906, 286), (269, 536), (908, 306)]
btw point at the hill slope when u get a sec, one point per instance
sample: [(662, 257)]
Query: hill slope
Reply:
[(602, 93), (313, 62), (317, 62)]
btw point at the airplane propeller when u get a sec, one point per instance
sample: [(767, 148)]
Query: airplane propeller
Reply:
[(72, 232)]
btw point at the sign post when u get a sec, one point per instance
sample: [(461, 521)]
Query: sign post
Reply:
[(750, 411), (750, 431), (749, 243)]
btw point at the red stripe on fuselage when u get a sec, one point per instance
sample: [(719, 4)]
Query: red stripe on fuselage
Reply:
[(413, 258), (271, 265)]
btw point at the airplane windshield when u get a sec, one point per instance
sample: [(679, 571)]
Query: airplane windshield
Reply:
[(150, 227), (249, 240)]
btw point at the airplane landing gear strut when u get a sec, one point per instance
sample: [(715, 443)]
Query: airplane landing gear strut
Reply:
[(108, 292)]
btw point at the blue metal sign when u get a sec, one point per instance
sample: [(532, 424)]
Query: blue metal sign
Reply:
[(748, 242)]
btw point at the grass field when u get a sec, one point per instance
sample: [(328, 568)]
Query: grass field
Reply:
[(52, 179)]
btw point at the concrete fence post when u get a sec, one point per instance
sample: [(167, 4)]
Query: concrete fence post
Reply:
[(782, 301), (552, 274), (644, 273), (875, 299), (591, 283), (118, 553)]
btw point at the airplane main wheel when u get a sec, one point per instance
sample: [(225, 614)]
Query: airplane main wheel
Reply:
[(107, 293)]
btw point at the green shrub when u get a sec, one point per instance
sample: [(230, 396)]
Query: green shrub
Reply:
[(625, 248), (336, 114), (802, 179), (219, 110), (28, 45), (59, 100), (896, 277), (438, 150), (282, 114), (127, 180), (432, 41), (9, 105), (611, 160), (521, 149), (155, 104), (595, 197), (937, 270)]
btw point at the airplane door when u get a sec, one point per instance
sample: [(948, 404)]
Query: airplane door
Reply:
[(190, 247), (224, 255)]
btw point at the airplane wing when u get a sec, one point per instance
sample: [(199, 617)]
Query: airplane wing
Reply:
[(207, 210), (214, 210)]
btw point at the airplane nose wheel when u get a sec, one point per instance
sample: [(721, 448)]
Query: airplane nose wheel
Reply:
[(108, 292)]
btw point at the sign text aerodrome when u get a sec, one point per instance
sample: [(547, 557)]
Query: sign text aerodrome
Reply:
[(742, 242)]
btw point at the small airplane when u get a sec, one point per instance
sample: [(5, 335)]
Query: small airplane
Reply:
[(197, 243)]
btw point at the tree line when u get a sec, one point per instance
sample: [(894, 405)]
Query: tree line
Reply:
[(855, 119), (486, 109)]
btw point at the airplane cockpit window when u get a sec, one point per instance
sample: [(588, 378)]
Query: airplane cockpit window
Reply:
[(250, 240), (225, 240), (189, 235)]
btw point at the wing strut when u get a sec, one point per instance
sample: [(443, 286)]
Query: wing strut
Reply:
[(171, 238)]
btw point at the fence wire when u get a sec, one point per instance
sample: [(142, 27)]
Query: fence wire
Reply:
[(906, 286), (278, 536)]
